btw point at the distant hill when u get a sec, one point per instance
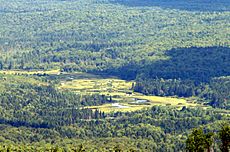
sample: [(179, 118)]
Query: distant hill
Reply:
[(178, 50), (100, 36), (189, 5)]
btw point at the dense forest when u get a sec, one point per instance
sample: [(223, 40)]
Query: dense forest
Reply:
[(203, 5), (39, 35), (33, 111), (215, 92), (168, 48)]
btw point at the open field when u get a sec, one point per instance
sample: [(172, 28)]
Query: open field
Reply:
[(55, 72), (107, 108), (120, 90), (125, 105), (165, 100), (109, 86)]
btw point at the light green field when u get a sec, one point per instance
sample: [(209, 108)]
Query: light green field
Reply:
[(153, 101), (30, 72), (165, 100), (120, 91), (109, 86), (107, 108)]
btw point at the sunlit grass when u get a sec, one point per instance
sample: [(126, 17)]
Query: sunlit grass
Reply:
[(153, 101), (55, 71), (165, 100), (108, 108), (102, 86), (120, 91)]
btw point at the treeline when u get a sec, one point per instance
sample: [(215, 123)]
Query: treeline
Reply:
[(91, 40), (204, 6), (200, 72), (33, 111), (215, 92), (78, 145), (156, 129), (152, 123), (42, 106), (199, 140), (194, 63), (94, 41)]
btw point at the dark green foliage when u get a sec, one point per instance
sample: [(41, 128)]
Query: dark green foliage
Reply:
[(169, 52), (199, 142), (224, 135), (215, 92), (34, 111), (203, 5), (24, 104), (198, 64), (69, 35)]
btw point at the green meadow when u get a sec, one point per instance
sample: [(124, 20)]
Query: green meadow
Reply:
[(123, 97), (121, 93)]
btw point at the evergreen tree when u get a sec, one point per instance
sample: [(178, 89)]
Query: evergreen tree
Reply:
[(199, 142), (224, 135)]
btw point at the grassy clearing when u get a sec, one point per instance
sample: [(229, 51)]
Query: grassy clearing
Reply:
[(108, 108), (121, 92), (165, 100), (13, 72), (109, 86), (152, 101), (84, 83)]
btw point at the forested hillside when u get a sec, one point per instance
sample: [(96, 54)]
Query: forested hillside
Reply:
[(98, 35), (62, 61), (33, 111), (189, 5)]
